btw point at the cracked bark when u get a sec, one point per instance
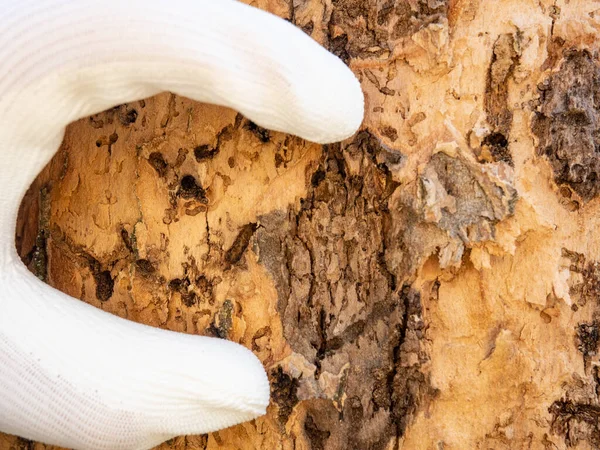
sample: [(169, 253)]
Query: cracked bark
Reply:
[(430, 283)]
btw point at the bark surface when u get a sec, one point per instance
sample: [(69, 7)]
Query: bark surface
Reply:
[(431, 283)]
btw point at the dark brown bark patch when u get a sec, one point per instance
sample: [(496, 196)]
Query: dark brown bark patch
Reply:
[(37, 258), (576, 416), (24, 444), (239, 246), (317, 437), (341, 307), (576, 422), (497, 145), (205, 289), (567, 121), (359, 29), (505, 57), (588, 338), (261, 133), (284, 392), (145, 267), (204, 152), (587, 288), (189, 188), (158, 163), (223, 321), (104, 285), (103, 278), (182, 285), (127, 115)]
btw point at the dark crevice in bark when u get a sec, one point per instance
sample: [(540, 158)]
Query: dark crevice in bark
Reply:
[(337, 292)]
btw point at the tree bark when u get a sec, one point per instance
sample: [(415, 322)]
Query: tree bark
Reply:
[(431, 283)]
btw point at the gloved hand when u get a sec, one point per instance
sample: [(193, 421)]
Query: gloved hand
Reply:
[(70, 374)]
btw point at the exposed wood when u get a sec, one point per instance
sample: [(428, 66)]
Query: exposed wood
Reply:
[(431, 283)]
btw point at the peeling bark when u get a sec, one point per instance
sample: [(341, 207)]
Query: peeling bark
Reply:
[(430, 283)]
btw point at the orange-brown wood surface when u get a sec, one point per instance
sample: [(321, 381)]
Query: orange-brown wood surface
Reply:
[(430, 283)]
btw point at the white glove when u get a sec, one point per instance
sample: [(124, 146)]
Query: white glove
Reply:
[(72, 375)]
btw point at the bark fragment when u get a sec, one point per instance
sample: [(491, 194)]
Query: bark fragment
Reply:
[(332, 253), (566, 123), (395, 282)]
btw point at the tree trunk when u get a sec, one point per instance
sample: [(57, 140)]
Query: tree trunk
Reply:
[(431, 283)]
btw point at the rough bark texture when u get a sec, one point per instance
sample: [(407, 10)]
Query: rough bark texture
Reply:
[(431, 283)]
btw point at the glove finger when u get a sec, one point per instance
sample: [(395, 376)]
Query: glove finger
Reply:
[(78, 58)]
